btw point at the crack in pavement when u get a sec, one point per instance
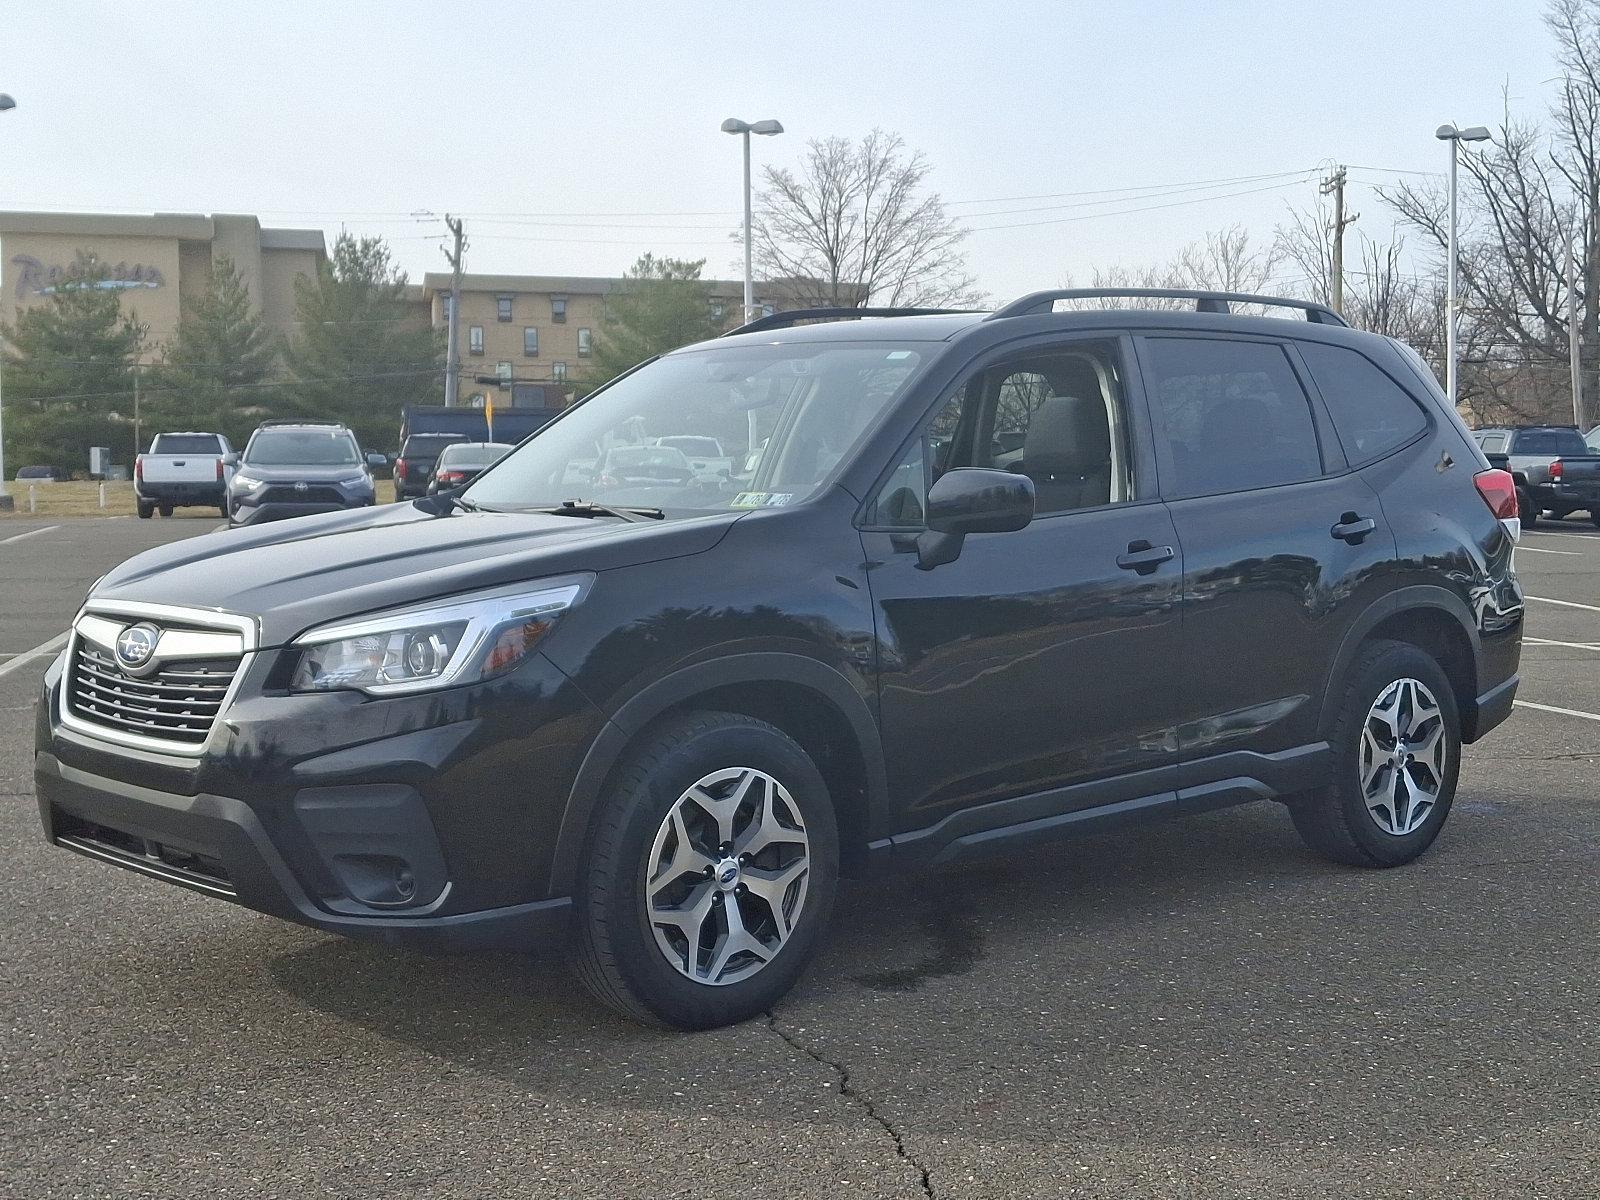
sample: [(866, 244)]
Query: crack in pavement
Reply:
[(847, 1089)]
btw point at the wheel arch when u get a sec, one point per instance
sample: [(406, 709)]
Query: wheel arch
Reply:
[(806, 698), (1435, 620)]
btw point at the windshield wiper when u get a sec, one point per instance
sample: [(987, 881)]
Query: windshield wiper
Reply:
[(589, 508)]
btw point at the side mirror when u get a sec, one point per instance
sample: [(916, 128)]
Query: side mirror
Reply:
[(972, 500), (230, 459), (377, 461)]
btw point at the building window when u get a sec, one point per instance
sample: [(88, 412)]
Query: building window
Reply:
[(606, 312), (503, 370), (585, 343), (502, 308), (719, 310), (530, 342), (475, 340), (444, 308), (475, 400), (558, 309), (558, 372)]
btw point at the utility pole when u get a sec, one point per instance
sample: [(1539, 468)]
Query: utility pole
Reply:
[(452, 377), (1574, 338), (136, 442), (1334, 184)]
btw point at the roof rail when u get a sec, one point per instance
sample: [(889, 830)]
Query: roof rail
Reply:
[(783, 320), (298, 421), (1211, 302)]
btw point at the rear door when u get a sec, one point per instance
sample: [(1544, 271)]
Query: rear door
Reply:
[(1282, 544)]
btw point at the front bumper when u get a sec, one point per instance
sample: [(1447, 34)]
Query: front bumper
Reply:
[(182, 494), (256, 514), (219, 846), (429, 819)]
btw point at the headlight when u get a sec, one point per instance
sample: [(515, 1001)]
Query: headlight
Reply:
[(248, 482), (435, 645), (356, 479)]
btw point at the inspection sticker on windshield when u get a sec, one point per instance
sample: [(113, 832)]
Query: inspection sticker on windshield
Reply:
[(761, 499)]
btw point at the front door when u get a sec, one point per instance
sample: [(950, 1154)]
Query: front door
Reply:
[(1039, 659)]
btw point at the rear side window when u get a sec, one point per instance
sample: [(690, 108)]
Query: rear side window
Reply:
[(1371, 413), (1554, 442), (1232, 416), (1494, 443)]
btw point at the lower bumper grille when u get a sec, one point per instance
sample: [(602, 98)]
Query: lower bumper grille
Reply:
[(191, 868), (310, 495)]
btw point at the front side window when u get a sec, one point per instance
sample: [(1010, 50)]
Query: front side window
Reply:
[(1371, 414), (781, 418), (475, 340), (1058, 417), (1231, 416)]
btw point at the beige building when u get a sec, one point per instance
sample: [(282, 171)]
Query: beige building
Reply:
[(536, 333), (158, 263)]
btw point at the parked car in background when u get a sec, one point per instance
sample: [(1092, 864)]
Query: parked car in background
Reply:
[(1555, 469), (705, 455), (295, 469), (462, 462), (515, 717), (419, 454), (183, 470), (42, 474)]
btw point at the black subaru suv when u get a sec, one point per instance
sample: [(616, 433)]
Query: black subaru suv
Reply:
[(981, 580)]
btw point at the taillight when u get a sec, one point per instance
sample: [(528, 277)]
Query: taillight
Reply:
[(608, 481), (451, 476), (138, 468), (1499, 492), (1556, 469), (399, 468), (219, 469)]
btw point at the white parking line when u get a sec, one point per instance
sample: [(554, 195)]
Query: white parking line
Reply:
[(1542, 550), (1565, 603), (27, 656), (1551, 708), (1533, 641), (31, 533)]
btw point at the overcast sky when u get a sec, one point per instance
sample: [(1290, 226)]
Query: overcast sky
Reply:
[(578, 134)]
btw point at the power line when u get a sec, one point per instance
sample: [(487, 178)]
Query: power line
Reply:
[(1277, 187)]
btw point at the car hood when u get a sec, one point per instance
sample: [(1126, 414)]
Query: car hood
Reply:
[(291, 575), (309, 474)]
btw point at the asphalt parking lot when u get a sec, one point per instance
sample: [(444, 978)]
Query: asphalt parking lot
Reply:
[(1197, 1009)]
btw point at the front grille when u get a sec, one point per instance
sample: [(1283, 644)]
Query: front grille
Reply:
[(292, 495), (177, 703)]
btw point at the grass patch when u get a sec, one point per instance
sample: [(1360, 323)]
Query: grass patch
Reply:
[(81, 498)]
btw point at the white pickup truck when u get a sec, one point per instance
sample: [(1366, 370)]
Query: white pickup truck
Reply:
[(184, 470), (705, 455)]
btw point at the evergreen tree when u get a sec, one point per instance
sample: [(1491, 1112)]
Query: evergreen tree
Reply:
[(69, 364), (661, 305), (357, 357), (212, 367)]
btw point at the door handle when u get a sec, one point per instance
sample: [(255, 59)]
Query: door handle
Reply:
[(1144, 558), (1353, 528)]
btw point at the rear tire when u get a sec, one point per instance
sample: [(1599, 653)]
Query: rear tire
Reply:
[(1594, 518), (146, 510), (1527, 510), (1390, 796), (658, 848)]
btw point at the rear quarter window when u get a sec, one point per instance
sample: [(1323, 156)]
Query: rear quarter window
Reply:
[(1372, 414)]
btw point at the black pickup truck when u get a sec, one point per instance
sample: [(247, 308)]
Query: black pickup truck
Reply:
[(1556, 471)]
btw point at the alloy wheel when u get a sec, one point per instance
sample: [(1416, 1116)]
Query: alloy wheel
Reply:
[(1404, 755), (727, 874)]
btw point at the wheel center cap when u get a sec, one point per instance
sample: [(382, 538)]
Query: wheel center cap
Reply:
[(727, 874)]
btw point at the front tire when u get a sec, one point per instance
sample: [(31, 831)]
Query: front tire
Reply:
[(1396, 754), (709, 874)]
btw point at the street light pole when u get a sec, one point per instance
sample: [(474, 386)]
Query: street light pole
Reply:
[(6, 502), (745, 129), (1455, 136)]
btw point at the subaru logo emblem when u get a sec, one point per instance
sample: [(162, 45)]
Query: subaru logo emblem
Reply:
[(727, 874), (136, 644), (300, 487)]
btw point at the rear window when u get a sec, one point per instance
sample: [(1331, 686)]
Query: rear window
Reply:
[(427, 445), (1233, 416), (186, 443), (476, 455), (1554, 442), (1371, 413), (700, 447)]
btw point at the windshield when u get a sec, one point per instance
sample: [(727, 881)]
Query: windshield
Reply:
[(302, 448), (783, 417)]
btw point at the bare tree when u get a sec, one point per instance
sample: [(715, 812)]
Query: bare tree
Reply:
[(856, 226), (1224, 260)]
